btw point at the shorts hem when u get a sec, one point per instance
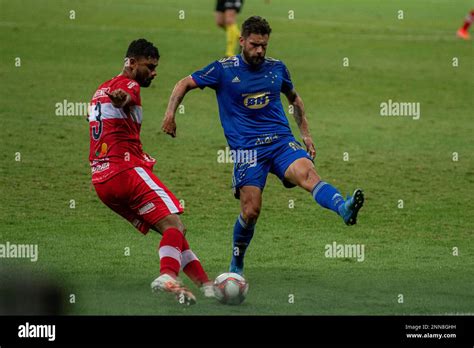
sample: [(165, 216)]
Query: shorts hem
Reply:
[(236, 189)]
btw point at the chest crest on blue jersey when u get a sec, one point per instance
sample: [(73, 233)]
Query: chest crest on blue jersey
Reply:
[(272, 78)]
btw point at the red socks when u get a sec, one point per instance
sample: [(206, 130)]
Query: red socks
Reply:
[(192, 266), (175, 253), (468, 21), (170, 251)]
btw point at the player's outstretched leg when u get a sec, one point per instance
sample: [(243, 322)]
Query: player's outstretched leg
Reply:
[(463, 31), (302, 173), (243, 233), (329, 197), (251, 201), (171, 245)]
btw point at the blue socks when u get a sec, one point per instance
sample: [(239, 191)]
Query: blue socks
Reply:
[(328, 196), (243, 234)]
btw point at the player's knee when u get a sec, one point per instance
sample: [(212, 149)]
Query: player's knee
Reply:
[(250, 213), (170, 221), (310, 179), (180, 226)]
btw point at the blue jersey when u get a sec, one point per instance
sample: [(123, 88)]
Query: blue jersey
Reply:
[(249, 101)]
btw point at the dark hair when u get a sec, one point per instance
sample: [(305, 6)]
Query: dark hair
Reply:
[(142, 48), (255, 25)]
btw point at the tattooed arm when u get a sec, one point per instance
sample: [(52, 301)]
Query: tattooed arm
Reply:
[(301, 120)]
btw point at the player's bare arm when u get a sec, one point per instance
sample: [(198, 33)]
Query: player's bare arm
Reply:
[(177, 96), (119, 98), (301, 120)]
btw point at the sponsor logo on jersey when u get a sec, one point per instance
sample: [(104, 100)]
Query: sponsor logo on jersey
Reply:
[(149, 207), (256, 100), (99, 167), (131, 84), (266, 139), (103, 150), (229, 62), (208, 72), (101, 93), (236, 80)]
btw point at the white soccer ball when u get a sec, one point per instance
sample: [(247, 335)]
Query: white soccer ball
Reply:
[(230, 288)]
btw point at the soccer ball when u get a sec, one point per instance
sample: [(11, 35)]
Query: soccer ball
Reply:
[(230, 288)]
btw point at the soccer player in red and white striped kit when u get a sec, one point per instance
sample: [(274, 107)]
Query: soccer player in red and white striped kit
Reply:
[(122, 173), (463, 31)]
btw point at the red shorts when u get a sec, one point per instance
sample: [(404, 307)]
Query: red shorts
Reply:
[(139, 196)]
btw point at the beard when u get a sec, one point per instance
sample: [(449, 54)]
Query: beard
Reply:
[(145, 82), (253, 60)]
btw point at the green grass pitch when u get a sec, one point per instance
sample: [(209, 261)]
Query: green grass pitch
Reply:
[(423, 251)]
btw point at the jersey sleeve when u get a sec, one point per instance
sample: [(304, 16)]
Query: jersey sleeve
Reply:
[(132, 88), (287, 84), (209, 76)]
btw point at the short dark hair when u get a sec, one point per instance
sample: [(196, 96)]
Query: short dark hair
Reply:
[(255, 25), (142, 48)]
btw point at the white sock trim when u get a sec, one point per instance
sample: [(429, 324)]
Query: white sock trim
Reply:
[(169, 251), (187, 256)]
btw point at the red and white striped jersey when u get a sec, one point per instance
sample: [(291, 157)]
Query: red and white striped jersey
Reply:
[(115, 143)]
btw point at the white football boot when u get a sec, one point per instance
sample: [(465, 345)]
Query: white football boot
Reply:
[(167, 283), (208, 289)]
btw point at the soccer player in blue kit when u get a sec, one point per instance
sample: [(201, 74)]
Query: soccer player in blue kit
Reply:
[(248, 88)]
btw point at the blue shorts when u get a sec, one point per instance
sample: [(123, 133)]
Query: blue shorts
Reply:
[(251, 166)]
